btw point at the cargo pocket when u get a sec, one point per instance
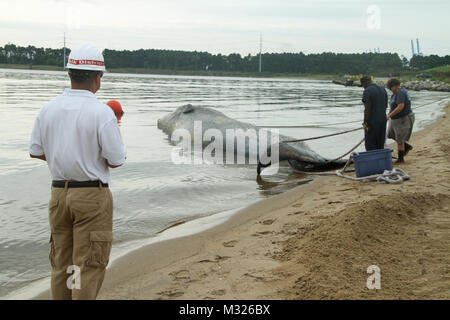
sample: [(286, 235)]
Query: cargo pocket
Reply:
[(100, 248), (51, 255)]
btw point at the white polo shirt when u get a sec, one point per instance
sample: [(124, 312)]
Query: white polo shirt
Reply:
[(77, 134)]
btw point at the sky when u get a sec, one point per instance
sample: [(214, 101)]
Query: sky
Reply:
[(230, 26)]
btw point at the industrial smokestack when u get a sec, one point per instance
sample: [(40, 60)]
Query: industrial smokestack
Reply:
[(412, 47), (418, 48)]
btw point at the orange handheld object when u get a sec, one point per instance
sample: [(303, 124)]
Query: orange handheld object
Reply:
[(116, 107)]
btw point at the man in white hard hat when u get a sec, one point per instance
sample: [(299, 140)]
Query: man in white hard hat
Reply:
[(79, 138)]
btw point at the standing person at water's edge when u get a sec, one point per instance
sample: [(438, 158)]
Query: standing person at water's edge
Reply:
[(401, 118), (375, 104), (79, 138)]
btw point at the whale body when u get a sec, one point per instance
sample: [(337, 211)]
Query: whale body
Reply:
[(298, 154)]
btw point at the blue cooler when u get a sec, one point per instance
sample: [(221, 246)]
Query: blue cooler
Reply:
[(372, 162)]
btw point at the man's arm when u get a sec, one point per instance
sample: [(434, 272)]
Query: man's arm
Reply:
[(400, 99), (38, 157), (35, 149), (367, 110), (113, 149), (397, 110), (366, 99)]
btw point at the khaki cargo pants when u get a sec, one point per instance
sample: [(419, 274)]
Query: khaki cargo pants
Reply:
[(81, 235)]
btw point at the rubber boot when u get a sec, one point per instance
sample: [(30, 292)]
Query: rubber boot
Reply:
[(408, 147), (400, 157)]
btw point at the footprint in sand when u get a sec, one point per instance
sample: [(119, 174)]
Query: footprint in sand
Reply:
[(171, 294), (180, 275), (216, 259), (268, 222), (219, 292), (262, 233), (220, 258), (230, 244), (295, 213)]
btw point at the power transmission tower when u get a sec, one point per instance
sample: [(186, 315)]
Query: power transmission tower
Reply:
[(260, 52), (64, 50)]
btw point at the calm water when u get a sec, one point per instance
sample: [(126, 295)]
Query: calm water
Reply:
[(150, 192)]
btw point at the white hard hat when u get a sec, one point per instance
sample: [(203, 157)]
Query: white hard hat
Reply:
[(86, 57)]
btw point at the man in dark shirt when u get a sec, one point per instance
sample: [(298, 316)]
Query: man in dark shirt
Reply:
[(375, 101)]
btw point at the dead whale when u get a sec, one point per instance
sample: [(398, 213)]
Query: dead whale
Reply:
[(207, 124)]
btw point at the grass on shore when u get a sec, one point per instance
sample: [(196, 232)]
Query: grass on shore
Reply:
[(30, 67), (442, 69), (441, 73)]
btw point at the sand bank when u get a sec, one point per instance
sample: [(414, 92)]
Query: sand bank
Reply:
[(313, 242)]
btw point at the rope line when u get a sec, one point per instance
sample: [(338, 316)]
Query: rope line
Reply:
[(428, 103), (325, 125), (328, 161), (339, 123), (362, 140), (324, 136)]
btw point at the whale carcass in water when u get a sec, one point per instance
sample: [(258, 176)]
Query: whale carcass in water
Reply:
[(298, 154)]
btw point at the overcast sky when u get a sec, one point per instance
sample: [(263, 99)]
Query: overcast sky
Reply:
[(228, 26)]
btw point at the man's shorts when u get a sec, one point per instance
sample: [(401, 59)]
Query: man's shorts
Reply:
[(400, 129)]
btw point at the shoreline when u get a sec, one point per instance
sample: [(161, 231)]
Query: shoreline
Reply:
[(413, 81), (276, 248), (193, 73)]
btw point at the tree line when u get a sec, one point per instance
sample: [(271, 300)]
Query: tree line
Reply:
[(293, 63), (428, 62)]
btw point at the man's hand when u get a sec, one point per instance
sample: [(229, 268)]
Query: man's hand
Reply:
[(397, 110), (365, 126), (367, 111), (38, 157), (111, 166)]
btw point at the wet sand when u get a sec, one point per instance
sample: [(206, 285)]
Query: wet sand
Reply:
[(313, 242)]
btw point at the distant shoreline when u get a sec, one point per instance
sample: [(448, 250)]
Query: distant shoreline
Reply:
[(182, 72), (442, 74)]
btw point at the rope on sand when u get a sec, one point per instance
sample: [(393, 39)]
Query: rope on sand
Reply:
[(395, 175)]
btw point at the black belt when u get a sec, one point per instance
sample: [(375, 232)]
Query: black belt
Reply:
[(78, 184)]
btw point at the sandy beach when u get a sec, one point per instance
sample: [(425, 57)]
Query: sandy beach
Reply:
[(313, 242)]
